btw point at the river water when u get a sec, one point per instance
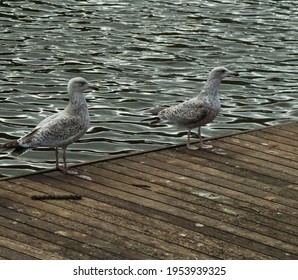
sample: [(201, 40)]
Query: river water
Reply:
[(143, 54)]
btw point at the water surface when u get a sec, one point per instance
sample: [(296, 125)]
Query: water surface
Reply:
[(143, 54)]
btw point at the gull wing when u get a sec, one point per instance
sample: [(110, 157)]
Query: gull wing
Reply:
[(185, 114), (55, 131)]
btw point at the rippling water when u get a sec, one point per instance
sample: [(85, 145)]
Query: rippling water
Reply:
[(143, 54)]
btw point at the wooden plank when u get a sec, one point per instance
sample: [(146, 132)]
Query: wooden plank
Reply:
[(255, 158), (53, 239), (9, 254), (69, 223), (271, 152), (158, 246), (236, 201), (118, 228), (13, 240), (292, 127), (210, 226), (263, 174), (210, 203), (284, 160), (251, 175), (271, 144), (207, 175), (223, 171), (288, 131), (179, 235), (278, 140)]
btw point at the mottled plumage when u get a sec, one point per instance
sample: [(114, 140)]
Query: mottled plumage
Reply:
[(200, 110), (60, 129)]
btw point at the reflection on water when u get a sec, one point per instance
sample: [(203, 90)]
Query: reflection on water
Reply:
[(143, 54)]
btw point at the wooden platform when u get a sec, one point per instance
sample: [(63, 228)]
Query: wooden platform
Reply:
[(237, 201)]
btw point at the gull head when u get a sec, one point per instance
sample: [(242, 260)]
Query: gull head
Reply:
[(79, 84), (222, 72)]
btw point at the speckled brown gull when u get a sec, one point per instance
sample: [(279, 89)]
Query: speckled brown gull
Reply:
[(200, 110), (60, 129)]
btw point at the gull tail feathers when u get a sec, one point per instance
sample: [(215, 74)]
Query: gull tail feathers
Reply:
[(155, 120), (155, 110), (9, 145), (152, 120), (18, 150)]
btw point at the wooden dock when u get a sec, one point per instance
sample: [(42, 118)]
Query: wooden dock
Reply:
[(236, 201)]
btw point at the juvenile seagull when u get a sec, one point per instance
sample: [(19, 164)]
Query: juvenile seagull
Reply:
[(60, 129), (199, 110)]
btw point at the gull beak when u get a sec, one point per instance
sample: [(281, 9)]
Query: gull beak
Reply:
[(233, 74), (94, 87)]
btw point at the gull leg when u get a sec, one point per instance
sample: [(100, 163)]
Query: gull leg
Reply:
[(65, 169), (64, 158), (58, 167), (57, 159), (203, 146), (188, 142)]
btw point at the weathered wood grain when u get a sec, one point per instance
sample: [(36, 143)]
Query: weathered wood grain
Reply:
[(238, 200)]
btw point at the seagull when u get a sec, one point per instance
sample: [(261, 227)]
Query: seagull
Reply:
[(60, 129), (197, 111)]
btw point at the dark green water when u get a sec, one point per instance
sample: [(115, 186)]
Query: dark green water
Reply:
[(143, 54)]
